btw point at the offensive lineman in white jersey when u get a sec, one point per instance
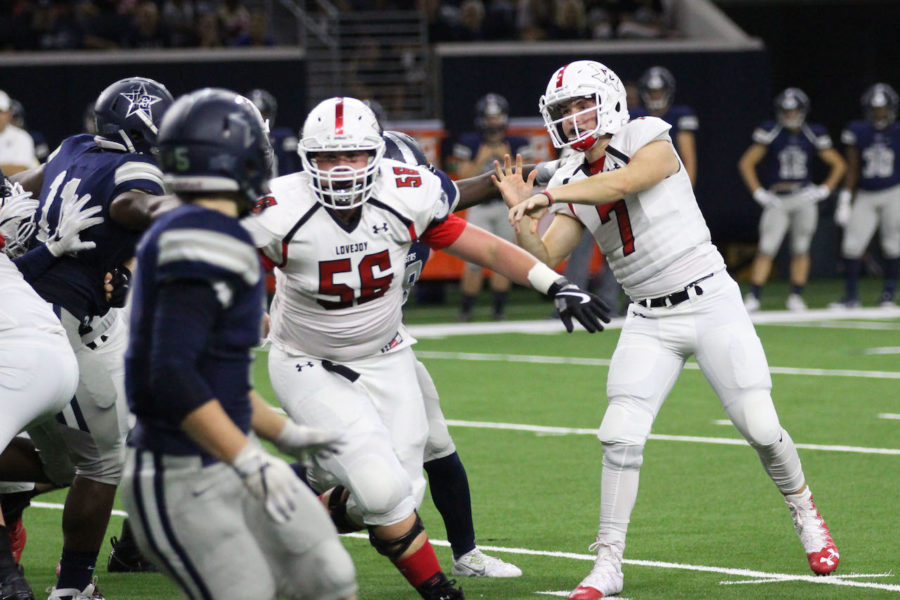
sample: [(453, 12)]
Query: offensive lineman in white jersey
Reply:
[(38, 370), (338, 234), (629, 188)]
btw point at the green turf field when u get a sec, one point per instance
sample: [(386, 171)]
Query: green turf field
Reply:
[(708, 523)]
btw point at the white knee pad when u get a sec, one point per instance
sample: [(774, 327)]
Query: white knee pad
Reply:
[(380, 494), (327, 573), (754, 416), (625, 423)]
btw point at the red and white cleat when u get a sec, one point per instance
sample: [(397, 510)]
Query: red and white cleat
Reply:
[(821, 552), (606, 578)]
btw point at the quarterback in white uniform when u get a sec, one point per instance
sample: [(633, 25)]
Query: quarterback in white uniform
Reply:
[(338, 234), (629, 188)]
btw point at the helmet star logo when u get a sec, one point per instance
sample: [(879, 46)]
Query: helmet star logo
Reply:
[(140, 101)]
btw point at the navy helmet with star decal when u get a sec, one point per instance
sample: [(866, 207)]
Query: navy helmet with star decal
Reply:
[(129, 111)]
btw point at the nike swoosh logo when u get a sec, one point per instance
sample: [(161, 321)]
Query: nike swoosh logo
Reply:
[(203, 491), (584, 297)]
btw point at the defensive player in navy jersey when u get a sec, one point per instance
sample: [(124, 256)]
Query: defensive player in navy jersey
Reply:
[(115, 174), (872, 148), (785, 149), (475, 153), (657, 90), (447, 479), (219, 515), (284, 139)]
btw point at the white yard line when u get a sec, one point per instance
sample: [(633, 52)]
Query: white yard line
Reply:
[(811, 318), (544, 430), (604, 362), (886, 350), (888, 416)]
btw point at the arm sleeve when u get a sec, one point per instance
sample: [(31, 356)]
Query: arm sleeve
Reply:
[(185, 315), (33, 263)]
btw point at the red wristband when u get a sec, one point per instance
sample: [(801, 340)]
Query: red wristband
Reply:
[(549, 197)]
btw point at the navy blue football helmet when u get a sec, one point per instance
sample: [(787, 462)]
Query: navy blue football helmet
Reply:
[(879, 104), (129, 112), (491, 105), (215, 140), (402, 147), (791, 107), (266, 104), (657, 88)]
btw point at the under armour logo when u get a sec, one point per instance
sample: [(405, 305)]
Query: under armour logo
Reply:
[(829, 560), (376, 228), (300, 367)]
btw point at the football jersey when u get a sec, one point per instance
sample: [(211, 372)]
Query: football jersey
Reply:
[(789, 154), (20, 306), (83, 167), (656, 240), (339, 287), (466, 148), (679, 116), (192, 243), (879, 153)]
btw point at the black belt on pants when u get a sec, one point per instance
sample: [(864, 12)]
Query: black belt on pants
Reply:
[(675, 297)]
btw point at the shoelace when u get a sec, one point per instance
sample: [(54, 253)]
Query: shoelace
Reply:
[(608, 557), (810, 527)]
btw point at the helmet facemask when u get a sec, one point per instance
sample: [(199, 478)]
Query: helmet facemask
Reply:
[(342, 187)]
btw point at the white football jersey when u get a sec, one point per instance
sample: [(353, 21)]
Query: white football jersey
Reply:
[(656, 241), (20, 306), (339, 288)]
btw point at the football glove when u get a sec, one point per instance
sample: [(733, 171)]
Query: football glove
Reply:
[(73, 219), (269, 479), (765, 198), (573, 302), (843, 208), (305, 442), (812, 194)]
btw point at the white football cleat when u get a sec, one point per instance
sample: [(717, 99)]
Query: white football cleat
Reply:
[(88, 593), (606, 578), (821, 551), (844, 304), (795, 303), (751, 303), (476, 563)]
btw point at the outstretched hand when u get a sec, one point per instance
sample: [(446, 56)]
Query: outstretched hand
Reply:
[(534, 207), (508, 179)]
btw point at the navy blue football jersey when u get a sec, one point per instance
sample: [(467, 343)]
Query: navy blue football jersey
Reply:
[(679, 116), (879, 153), (81, 167), (192, 245), (790, 153), (284, 143), (466, 148)]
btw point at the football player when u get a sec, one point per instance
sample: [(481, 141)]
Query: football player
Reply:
[(219, 515), (284, 140), (338, 234), (38, 370), (786, 148), (447, 479), (628, 187), (116, 173), (475, 153), (872, 148), (657, 91)]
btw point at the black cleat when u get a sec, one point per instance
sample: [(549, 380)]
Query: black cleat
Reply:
[(15, 587), (440, 588), (125, 556)]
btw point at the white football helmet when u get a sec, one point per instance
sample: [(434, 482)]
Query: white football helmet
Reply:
[(335, 125), (584, 79)]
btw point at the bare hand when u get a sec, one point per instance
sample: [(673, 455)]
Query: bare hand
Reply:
[(508, 180), (534, 207)]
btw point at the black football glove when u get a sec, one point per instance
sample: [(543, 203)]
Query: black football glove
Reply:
[(571, 301), (120, 282)]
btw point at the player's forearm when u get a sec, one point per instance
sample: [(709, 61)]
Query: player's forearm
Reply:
[(481, 188), (210, 427), (838, 168), (531, 242), (133, 210), (265, 422), (477, 246)]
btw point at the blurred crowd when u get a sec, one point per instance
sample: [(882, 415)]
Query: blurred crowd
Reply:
[(109, 24)]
